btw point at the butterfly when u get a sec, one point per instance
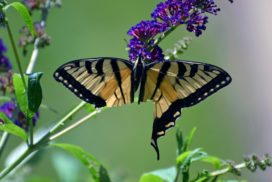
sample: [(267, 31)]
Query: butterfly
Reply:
[(171, 85)]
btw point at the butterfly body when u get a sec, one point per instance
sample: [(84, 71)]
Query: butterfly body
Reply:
[(171, 85)]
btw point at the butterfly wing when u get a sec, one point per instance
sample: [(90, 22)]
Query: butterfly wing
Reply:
[(99, 81), (175, 85)]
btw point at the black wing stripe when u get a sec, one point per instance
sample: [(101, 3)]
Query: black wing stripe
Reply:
[(181, 70), (88, 66), (194, 69), (99, 67), (117, 74), (161, 76), (79, 89)]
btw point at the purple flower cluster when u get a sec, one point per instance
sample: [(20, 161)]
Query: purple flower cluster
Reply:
[(166, 16), (143, 38), (6, 85), (27, 39), (5, 65), (11, 111)]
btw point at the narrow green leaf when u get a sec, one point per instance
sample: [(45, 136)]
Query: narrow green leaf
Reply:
[(95, 168), (34, 91), (189, 139), (151, 178), (8, 126), (22, 10), (185, 158), (103, 174), (20, 92), (179, 138)]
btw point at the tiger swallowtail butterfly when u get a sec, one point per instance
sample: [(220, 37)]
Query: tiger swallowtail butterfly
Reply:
[(171, 85)]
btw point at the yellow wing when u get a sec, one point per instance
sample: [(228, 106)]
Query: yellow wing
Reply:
[(99, 81), (175, 85)]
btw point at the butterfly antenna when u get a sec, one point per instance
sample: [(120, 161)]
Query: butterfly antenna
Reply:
[(155, 146)]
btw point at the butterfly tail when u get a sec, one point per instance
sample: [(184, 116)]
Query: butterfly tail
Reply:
[(156, 147)]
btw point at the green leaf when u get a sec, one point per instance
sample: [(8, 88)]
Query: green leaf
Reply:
[(185, 158), (34, 91), (189, 139), (20, 92), (22, 10), (215, 161), (95, 168), (103, 174), (179, 139), (8, 126), (167, 174), (151, 178)]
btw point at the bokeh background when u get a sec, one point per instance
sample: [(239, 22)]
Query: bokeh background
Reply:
[(231, 124)]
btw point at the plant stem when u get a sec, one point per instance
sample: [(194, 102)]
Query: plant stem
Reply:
[(178, 173), (76, 124), (33, 57), (222, 171), (49, 137), (16, 54), (3, 141), (163, 36), (67, 116), (16, 163)]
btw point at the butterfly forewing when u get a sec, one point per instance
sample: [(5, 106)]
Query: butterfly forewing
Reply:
[(99, 81), (175, 85)]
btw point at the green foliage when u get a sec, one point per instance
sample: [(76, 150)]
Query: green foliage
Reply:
[(98, 172), (151, 177), (185, 157), (10, 127), (29, 100), (34, 91), (22, 10), (21, 93), (166, 175)]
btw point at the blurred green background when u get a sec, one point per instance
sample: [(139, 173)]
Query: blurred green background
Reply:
[(232, 123)]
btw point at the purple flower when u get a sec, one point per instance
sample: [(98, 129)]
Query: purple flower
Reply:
[(145, 30), (207, 6), (5, 64), (6, 83), (137, 48), (11, 110), (8, 108), (142, 42), (27, 39), (197, 23), (2, 47), (172, 12)]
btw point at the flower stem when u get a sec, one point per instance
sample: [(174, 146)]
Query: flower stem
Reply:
[(16, 54), (67, 116), (33, 57), (3, 141), (221, 172), (76, 124), (163, 36), (49, 137), (16, 163)]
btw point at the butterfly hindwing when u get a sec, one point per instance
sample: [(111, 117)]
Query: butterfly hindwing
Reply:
[(99, 81), (175, 85)]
